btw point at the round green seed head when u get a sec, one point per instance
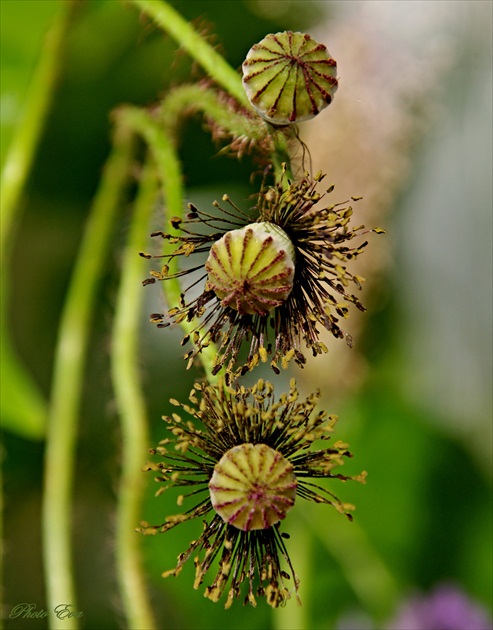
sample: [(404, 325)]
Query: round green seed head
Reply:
[(252, 269), (252, 487), (289, 77)]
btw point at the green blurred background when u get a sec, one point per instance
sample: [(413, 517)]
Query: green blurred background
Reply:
[(418, 416)]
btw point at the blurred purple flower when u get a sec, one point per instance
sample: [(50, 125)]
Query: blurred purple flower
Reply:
[(446, 608)]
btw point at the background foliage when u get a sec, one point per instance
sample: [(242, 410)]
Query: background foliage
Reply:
[(418, 421)]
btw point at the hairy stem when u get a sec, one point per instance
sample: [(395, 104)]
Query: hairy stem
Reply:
[(131, 408), (70, 360), (248, 132), (169, 172), (182, 32), (185, 100), (220, 71)]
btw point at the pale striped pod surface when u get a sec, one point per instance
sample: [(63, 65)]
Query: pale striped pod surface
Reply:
[(289, 77), (252, 269), (252, 487)]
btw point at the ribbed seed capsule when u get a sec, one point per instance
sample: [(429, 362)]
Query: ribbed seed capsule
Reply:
[(252, 269), (252, 487), (289, 77)]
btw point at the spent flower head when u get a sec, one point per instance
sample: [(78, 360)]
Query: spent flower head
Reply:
[(274, 282), (246, 458)]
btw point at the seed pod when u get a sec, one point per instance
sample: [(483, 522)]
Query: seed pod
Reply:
[(289, 77), (252, 487), (252, 269)]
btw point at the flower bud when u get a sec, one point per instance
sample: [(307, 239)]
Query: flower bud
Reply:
[(289, 77), (252, 269), (252, 487)]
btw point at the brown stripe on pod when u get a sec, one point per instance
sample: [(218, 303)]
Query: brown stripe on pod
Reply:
[(252, 269), (253, 487), (283, 77)]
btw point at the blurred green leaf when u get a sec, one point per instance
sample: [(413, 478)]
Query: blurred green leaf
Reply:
[(29, 69), (22, 407), (22, 28)]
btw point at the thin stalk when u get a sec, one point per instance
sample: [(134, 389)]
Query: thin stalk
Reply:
[(182, 31), (295, 616), (281, 160), (185, 100), (216, 67), (169, 171), (132, 409), (70, 360)]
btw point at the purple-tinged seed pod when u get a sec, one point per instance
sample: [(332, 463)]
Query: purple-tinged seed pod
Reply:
[(253, 487), (252, 269), (289, 77)]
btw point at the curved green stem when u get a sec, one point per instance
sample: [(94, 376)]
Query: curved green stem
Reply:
[(213, 63), (131, 408), (69, 367), (169, 171), (185, 100), (217, 69)]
